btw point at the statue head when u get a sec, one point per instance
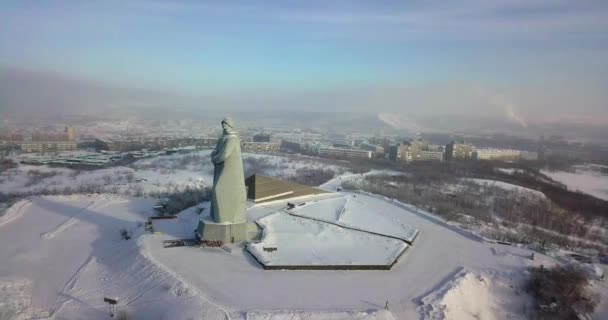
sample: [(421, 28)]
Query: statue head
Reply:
[(228, 124)]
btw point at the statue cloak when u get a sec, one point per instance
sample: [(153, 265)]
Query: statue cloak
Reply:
[(229, 197)]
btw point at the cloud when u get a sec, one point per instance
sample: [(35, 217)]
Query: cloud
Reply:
[(468, 20), (472, 20)]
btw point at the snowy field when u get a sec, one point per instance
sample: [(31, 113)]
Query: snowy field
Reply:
[(483, 294), (350, 212), (153, 176), (305, 242), (586, 178), (61, 255), (438, 255), (329, 315), (507, 186)]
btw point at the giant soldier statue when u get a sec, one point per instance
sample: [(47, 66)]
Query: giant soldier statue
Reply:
[(228, 200)]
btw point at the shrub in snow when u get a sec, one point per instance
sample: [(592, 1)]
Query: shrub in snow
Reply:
[(311, 177), (6, 164), (561, 293), (125, 234)]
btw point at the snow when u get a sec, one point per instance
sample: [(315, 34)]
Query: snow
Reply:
[(437, 253), (305, 242), (348, 211), (332, 230), (325, 315), (586, 179), (509, 170), (15, 299), (334, 183), (115, 179), (166, 173), (83, 259), (507, 186), (472, 295), (61, 255), (183, 226)]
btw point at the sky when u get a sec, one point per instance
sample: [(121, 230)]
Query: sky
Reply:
[(521, 58)]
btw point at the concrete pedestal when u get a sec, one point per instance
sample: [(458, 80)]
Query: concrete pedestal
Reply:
[(225, 232)]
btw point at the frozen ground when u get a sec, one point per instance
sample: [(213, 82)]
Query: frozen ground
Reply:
[(334, 183), (353, 212), (507, 186), (306, 242), (151, 176), (331, 315), (439, 253), (61, 255), (587, 179), (478, 295)]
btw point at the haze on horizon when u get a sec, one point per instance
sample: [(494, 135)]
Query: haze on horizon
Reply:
[(538, 59)]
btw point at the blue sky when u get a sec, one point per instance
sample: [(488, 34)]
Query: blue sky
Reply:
[(295, 47)]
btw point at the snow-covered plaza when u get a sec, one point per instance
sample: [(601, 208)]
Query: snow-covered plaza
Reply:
[(61, 255)]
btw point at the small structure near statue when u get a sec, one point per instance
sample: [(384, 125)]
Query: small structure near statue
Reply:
[(112, 302), (263, 189)]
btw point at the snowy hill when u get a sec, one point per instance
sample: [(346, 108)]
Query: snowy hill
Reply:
[(60, 255)]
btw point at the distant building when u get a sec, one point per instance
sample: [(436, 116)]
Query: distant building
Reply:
[(416, 150), (399, 152), (565, 152), (419, 144), (16, 137), (91, 161), (448, 151), (344, 153), (263, 147), (498, 154), (427, 155), (528, 155), (70, 133), (49, 142), (463, 151), (376, 150), (340, 143), (48, 146)]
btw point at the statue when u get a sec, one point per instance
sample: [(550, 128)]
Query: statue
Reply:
[(228, 200)]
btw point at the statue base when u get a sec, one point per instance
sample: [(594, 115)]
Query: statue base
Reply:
[(226, 232)]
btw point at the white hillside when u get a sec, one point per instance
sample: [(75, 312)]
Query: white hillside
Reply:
[(305, 242), (359, 213), (61, 255)]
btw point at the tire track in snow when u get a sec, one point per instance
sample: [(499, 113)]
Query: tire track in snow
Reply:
[(341, 225), (69, 285), (66, 224), (139, 295)]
